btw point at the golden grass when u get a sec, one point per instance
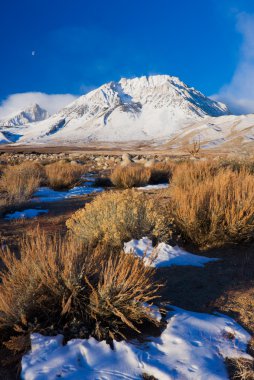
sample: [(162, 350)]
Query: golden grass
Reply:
[(117, 217), (2, 167), (213, 209), (119, 298), (238, 164), (161, 172), (240, 368), (62, 175), (60, 282), (133, 175), (19, 182), (187, 173)]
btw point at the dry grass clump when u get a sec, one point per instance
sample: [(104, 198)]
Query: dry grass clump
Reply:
[(117, 217), (187, 173), (2, 167), (211, 210), (133, 175), (63, 175), (161, 172), (102, 182), (59, 285), (121, 295), (238, 164), (19, 182), (240, 368)]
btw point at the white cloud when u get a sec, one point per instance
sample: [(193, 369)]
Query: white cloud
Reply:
[(52, 103), (239, 93)]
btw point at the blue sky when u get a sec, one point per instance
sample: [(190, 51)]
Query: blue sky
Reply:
[(72, 46)]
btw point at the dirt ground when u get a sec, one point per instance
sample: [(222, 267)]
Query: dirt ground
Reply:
[(51, 222), (113, 149)]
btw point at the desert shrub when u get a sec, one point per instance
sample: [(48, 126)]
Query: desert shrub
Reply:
[(102, 182), (145, 376), (4, 204), (215, 210), (19, 182), (249, 166), (238, 164), (60, 285), (62, 175), (161, 172), (119, 299), (116, 217), (2, 167), (133, 175), (187, 173), (240, 368)]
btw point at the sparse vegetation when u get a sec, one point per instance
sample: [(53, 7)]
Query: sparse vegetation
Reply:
[(82, 284), (63, 175), (132, 175), (116, 217), (59, 282)]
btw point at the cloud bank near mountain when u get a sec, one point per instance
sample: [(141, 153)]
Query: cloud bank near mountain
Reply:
[(239, 93), (50, 102)]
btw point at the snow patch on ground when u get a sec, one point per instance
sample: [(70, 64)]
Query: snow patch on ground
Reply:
[(192, 347), (45, 194), (164, 255), (154, 187), (25, 214)]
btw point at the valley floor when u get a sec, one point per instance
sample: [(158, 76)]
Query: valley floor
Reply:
[(224, 286)]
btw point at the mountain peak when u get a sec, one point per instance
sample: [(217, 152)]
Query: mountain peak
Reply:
[(29, 114), (145, 108), (151, 80)]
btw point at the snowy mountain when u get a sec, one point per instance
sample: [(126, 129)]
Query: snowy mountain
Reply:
[(229, 133), (25, 116), (139, 109)]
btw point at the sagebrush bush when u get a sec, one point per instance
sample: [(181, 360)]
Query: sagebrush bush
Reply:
[(4, 204), (161, 172), (2, 167), (214, 210), (240, 368), (59, 282), (19, 182), (121, 296), (188, 173), (62, 175), (132, 175), (237, 164), (116, 217)]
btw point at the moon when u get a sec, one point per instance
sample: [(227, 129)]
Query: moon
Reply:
[(33, 53)]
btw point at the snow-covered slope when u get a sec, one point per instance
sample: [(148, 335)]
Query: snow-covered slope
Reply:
[(25, 116), (139, 109), (230, 133)]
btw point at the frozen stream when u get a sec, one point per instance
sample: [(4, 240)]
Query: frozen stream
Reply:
[(45, 194)]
